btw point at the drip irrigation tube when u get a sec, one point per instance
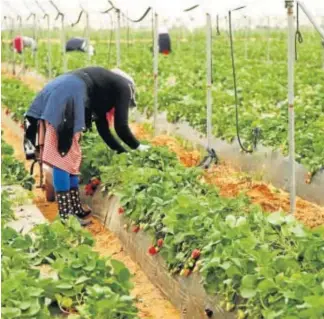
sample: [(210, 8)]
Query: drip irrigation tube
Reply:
[(256, 131)]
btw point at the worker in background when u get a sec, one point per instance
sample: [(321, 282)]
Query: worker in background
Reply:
[(164, 41), (63, 110), (79, 44), (22, 42)]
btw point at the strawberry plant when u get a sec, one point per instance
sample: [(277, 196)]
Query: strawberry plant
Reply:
[(256, 262), (13, 171)]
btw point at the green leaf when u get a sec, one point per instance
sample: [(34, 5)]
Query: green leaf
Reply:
[(81, 280), (64, 286), (247, 293), (9, 312)]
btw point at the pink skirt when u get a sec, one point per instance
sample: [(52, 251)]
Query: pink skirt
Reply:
[(50, 155)]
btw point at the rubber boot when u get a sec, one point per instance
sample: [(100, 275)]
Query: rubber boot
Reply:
[(65, 208), (77, 207)]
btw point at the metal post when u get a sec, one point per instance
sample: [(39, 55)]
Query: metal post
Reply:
[(63, 41), (291, 60), (7, 28), (155, 71), (20, 28), (127, 32), (118, 38), (49, 49), (311, 19), (88, 38), (209, 79), (12, 35), (217, 25), (323, 44), (269, 40), (247, 30), (35, 38)]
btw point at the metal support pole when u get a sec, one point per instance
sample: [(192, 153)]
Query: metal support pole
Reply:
[(118, 38), (217, 25), (88, 38), (8, 30), (12, 35), (291, 61), (209, 79), (63, 41), (269, 40), (246, 36), (20, 29), (35, 38), (49, 49), (311, 19), (155, 71), (322, 44), (127, 31)]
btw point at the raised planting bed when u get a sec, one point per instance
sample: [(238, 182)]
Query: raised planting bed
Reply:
[(265, 162), (186, 293)]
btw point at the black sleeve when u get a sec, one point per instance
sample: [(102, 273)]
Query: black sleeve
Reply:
[(104, 132), (121, 119)]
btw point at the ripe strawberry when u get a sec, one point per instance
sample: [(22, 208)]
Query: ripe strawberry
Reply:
[(160, 242), (88, 190), (136, 229), (95, 181), (195, 254), (121, 210), (152, 251)]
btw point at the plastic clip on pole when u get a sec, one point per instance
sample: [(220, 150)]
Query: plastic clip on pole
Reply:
[(291, 60), (156, 71)]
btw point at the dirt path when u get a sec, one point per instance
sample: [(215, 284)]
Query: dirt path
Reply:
[(150, 301)]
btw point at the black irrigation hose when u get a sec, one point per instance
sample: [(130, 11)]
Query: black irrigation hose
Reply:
[(298, 35), (79, 18), (139, 19), (256, 131), (108, 10), (191, 8)]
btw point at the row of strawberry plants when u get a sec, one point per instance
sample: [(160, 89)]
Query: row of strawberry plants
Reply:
[(262, 90), (12, 170), (264, 266), (55, 266), (16, 97)]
